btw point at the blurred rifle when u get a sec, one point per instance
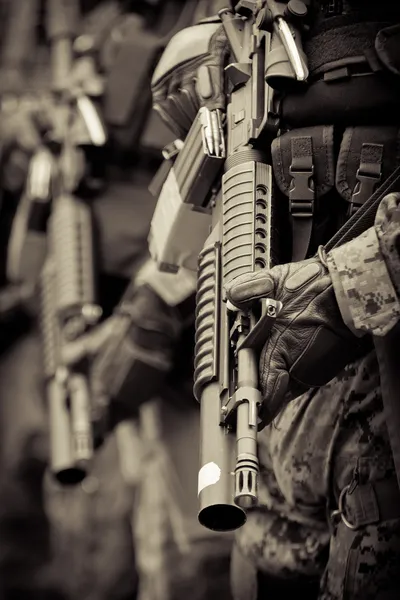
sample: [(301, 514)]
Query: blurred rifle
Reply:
[(68, 294), (266, 53)]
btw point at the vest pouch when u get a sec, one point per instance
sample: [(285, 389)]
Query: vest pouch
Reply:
[(387, 46), (304, 171), (343, 89), (367, 156)]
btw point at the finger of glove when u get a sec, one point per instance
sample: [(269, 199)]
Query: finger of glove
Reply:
[(178, 108), (181, 77), (178, 103), (100, 402), (306, 280), (245, 289), (149, 314), (110, 373), (153, 335), (275, 396), (210, 87), (172, 126), (274, 376), (43, 118), (179, 117), (210, 83), (324, 356), (88, 345)]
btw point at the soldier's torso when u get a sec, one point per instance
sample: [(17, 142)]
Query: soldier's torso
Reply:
[(346, 115)]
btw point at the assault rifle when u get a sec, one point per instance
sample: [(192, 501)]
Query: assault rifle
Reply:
[(227, 226), (69, 306)]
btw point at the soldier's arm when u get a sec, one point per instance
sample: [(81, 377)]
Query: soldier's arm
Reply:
[(366, 273)]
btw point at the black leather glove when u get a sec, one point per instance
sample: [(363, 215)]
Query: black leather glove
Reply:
[(309, 343), (130, 355)]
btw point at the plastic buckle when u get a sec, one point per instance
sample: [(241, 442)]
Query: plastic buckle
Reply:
[(363, 190), (301, 193)]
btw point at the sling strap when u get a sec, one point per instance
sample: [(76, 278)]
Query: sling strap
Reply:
[(387, 347), (368, 175), (301, 195), (365, 216)]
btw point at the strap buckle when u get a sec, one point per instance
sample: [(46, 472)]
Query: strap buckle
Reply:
[(364, 188), (301, 193)]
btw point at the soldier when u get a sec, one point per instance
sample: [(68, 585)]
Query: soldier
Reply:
[(170, 564), (328, 450), (328, 521), (329, 493)]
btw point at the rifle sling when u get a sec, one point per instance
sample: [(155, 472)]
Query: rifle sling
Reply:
[(387, 347)]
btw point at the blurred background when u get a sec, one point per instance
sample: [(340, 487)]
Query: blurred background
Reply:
[(129, 530)]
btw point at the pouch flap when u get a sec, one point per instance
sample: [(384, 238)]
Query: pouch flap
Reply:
[(387, 46), (319, 141), (374, 150)]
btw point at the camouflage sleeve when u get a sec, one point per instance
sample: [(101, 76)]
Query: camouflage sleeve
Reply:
[(366, 273), (387, 226)]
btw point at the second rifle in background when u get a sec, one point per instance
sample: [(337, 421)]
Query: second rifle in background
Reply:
[(69, 306)]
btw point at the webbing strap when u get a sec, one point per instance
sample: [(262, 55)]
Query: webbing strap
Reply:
[(301, 195), (368, 175), (365, 216)]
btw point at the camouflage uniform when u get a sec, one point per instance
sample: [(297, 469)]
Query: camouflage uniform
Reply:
[(329, 438), (334, 437), (366, 273), (95, 527)]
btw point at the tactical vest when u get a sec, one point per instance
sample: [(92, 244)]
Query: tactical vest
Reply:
[(340, 133)]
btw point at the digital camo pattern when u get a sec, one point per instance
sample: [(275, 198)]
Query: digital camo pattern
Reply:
[(367, 289), (387, 225), (307, 456), (364, 564)]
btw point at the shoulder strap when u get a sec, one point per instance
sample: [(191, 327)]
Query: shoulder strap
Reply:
[(387, 347), (365, 216)]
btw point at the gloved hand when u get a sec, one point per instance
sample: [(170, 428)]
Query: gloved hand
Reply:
[(21, 125), (129, 354), (309, 343), (190, 74)]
